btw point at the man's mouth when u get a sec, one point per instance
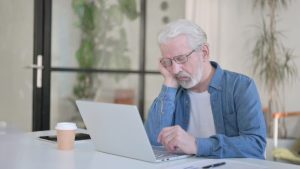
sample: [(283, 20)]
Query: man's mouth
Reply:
[(183, 78)]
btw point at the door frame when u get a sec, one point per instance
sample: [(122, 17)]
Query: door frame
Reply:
[(42, 46)]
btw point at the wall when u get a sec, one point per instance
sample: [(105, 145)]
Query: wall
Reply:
[(16, 52)]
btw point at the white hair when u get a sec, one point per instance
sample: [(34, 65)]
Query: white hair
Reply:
[(196, 36)]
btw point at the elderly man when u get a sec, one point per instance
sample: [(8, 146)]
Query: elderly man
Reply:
[(203, 109)]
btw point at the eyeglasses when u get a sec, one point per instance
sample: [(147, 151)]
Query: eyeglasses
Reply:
[(180, 59)]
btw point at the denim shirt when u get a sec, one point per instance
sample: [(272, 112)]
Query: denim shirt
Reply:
[(237, 112)]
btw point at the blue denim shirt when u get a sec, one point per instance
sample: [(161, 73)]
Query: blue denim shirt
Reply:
[(237, 112)]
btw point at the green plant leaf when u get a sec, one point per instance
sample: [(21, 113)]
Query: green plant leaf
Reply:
[(85, 54), (128, 7), (115, 15), (78, 7)]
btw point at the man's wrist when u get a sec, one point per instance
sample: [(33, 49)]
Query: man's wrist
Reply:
[(171, 83)]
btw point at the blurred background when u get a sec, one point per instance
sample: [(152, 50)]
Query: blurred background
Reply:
[(53, 52)]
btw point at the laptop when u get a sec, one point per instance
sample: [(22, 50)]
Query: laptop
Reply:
[(118, 129)]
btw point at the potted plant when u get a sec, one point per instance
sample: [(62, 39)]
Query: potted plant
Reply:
[(273, 61)]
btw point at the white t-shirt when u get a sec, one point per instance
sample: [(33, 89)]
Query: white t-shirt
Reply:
[(201, 122)]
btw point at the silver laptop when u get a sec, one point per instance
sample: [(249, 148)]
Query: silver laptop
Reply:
[(118, 129)]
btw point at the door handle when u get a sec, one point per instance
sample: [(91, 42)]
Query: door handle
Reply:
[(39, 68)]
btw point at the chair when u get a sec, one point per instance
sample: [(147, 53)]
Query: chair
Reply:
[(292, 155)]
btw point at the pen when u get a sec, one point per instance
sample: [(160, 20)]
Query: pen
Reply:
[(214, 165)]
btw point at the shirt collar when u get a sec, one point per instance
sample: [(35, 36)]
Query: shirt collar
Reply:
[(217, 77)]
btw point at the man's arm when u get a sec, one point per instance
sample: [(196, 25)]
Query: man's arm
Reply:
[(251, 139), (161, 113)]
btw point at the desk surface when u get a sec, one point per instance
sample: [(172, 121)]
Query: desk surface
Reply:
[(26, 151)]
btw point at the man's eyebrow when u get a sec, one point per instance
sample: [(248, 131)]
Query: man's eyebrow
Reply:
[(179, 55), (182, 54)]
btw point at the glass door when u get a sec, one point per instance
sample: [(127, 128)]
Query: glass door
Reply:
[(95, 56), (90, 50)]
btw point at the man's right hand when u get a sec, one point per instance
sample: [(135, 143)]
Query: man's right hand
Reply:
[(169, 79)]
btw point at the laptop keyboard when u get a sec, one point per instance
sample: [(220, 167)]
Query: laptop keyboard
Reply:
[(161, 153)]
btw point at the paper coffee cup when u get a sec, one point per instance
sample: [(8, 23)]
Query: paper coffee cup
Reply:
[(65, 135)]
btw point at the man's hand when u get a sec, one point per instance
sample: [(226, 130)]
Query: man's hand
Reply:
[(169, 79), (176, 139)]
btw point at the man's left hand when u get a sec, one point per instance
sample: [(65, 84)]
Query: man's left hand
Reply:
[(174, 138)]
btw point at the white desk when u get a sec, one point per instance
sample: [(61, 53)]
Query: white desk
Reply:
[(26, 151)]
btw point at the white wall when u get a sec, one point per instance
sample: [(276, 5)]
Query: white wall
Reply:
[(16, 52)]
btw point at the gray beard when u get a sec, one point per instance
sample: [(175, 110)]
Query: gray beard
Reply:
[(193, 81)]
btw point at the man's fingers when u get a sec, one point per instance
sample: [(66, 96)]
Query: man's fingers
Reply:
[(169, 134), (166, 137), (175, 139), (164, 132), (173, 144)]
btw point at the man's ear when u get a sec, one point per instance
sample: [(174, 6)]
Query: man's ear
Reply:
[(205, 51)]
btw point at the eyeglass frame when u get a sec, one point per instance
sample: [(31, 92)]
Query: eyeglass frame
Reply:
[(183, 56)]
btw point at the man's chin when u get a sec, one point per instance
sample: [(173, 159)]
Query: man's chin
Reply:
[(186, 85)]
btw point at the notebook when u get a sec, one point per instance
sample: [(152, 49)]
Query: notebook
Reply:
[(118, 129)]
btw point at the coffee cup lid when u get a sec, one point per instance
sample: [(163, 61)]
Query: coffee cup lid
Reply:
[(66, 126)]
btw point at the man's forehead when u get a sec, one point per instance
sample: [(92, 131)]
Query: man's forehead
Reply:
[(178, 42)]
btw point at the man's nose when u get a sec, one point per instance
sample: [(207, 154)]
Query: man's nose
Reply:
[(176, 68)]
